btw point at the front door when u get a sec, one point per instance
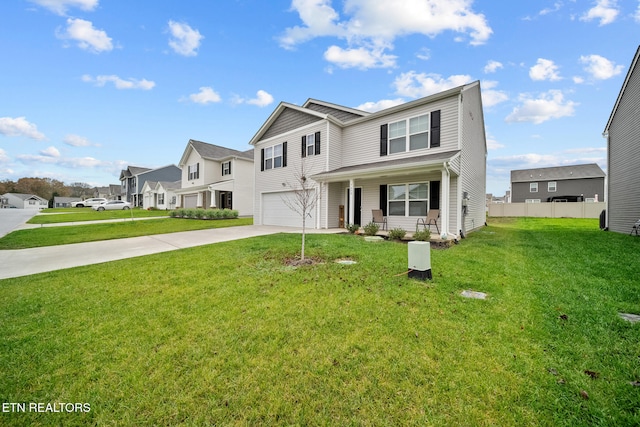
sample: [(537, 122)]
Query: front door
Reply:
[(357, 214), (225, 200)]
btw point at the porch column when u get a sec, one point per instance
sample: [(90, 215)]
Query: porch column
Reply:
[(351, 206), (199, 203), (444, 202), (213, 198)]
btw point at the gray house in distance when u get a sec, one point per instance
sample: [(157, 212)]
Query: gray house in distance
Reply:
[(623, 149), (577, 183), (133, 178)]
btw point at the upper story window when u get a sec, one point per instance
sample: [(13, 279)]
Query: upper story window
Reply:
[(533, 187), (414, 133), (194, 171), (311, 144), (274, 157), (552, 186), (226, 168)]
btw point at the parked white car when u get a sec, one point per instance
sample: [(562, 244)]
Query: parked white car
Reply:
[(112, 206), (89, 202)]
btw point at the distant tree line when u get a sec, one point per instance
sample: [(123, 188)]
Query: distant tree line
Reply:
[(47, 188)]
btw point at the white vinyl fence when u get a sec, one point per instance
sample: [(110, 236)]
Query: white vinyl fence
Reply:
[(548, 210)]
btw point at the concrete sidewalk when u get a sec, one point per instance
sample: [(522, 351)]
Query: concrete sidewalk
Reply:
[(23, 262)]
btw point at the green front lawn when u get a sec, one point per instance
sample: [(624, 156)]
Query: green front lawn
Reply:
[(228, 334), (64, 235), (88, 214)]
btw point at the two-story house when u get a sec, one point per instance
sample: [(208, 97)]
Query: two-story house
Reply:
[(575, 183), (216, 177), (406, 160), (133, 179), (623, 148)]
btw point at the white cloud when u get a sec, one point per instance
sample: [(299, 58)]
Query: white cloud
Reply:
[(368, 25), (70, 162), (544, 69), (424, 54), (490, 96), (87, 37), (119, 83), (492, 143), (604, 10), (262, 99), (636, 15), (61, 6), (78, 141), (549, 105), (383, 104), (206, 96), (492, 66), (19, 126), (361, 57), (418, 85), (184, 39), (4, 158), (50, 152), (599, 67)]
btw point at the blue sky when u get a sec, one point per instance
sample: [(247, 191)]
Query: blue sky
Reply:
[(90, 86)]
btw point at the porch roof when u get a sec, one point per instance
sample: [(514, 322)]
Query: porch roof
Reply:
[(222, 186), (388, 167)]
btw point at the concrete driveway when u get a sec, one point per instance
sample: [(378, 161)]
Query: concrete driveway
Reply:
[(10, 219)]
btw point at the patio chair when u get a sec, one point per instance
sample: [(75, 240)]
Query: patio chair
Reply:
[(379, 218), (431, 219), (635, 228)]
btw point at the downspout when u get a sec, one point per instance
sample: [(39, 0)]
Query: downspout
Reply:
[(446, 232)]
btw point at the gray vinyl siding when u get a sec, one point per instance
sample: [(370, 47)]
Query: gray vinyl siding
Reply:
[(289, 120), (624, 159), (169, 173), (473, 161), (587, 187)]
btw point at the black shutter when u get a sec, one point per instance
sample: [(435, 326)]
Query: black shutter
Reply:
[(383, 199), (317, 149), (262, 159), (304, 146), (434, 195), (383, 140), (198, 170), (222, 168), (284, 154), (229, 167), (435, 128)]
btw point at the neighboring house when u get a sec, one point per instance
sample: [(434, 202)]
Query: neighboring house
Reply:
[(133, 178), (64, 202), (623, 148), (406, 160), (24, 201), (576, 183), (216, 177), (160, 195), (112, 192)]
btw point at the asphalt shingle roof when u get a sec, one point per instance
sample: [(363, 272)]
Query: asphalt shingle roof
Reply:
[(558, 173)]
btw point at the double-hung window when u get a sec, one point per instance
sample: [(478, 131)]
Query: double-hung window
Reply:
[(274, 157), (552, 186), (161, 198), (417, 130), (226, 168), (194, 171), (408, 199), (310, 145), (533, 187)]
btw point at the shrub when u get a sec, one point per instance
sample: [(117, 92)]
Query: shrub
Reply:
[(353, 228), (174, 213), (200, 213), (422, 235), (397, 233), (210, 214), (371, 229), (228, 213)]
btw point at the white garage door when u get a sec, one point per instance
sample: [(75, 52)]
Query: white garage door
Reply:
[(191, 201), (276, 212)]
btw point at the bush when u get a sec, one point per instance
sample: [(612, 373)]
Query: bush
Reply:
[(422, 235), (353, 228), (210, 214), (397, 233), (229, 213), (174, 213), (371, 229)]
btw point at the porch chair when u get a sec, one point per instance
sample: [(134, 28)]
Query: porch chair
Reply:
[(635, 228), (379, 218), (431, 219)]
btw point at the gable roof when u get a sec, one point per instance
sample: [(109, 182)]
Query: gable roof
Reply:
[(634, 63), (214, 152), (132, 171), (26, 197), (557, 173)]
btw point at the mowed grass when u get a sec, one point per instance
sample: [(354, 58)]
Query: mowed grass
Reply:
[(63, 235), (228, 334), (87, 214)]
